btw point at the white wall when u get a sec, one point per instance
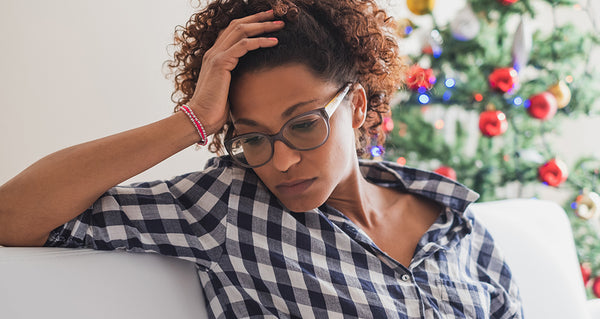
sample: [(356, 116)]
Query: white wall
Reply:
[(76, 70)]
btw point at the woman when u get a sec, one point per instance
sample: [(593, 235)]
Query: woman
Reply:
[(291, 223)]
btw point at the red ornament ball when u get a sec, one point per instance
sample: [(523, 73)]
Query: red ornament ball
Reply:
[(586, 272), (554, 172), (492, 123), (446, 171), (387, 125), (503, 79), (542, 106), (596, 287), (507, 2), (420, 78)]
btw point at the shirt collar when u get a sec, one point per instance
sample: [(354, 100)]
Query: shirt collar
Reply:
[(430, 185)]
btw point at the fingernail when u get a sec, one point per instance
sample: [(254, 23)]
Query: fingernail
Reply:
[(272, 39), (269, 11), (278, 22)]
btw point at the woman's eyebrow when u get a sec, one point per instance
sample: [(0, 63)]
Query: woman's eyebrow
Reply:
[(247, 122), (287, 113), (290, 110)]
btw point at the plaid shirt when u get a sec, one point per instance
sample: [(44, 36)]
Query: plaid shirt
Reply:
[(255, 258)]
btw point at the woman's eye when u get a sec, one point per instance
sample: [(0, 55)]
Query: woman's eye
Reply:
[(304, 125)]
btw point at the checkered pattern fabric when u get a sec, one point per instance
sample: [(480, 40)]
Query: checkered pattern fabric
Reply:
[(256, 259)]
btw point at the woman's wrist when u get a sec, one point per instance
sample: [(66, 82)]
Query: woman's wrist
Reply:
[(197, 124), (212, 120)]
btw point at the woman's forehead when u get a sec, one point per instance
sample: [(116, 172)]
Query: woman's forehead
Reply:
[(273, 91)]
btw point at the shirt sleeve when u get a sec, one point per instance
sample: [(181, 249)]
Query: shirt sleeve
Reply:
[(495, 271), (184, 217)]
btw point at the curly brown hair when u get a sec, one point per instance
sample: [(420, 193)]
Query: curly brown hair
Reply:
[(340, 40)]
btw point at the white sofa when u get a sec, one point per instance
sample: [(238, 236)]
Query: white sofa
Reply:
[(79, 283)]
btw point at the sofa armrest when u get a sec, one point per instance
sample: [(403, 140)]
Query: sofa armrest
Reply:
[(536, 238), (82, 283)]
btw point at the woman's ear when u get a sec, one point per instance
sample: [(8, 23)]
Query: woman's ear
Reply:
[(359, 105)]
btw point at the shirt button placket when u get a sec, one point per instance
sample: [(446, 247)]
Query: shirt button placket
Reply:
[(403, 274)]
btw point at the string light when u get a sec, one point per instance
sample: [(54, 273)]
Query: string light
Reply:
[(450, 83), (376, 151), (408, 30), (517, 67), (424, 99), (422, 89), (439, 124), (401, 161), (518, 101), (574, 205), (569, 79), (478, 97), (447, 95), (436, 49)]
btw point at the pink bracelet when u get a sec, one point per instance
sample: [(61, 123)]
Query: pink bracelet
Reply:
[(197, 124)]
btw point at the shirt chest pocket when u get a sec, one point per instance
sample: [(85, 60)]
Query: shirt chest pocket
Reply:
[(456, 299)]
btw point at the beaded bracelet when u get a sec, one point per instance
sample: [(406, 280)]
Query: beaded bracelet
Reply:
[(197, 124)]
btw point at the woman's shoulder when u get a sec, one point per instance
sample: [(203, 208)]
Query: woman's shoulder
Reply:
[(222, 172), (427, 184), (218, 168), (223, 167), (219, 172)]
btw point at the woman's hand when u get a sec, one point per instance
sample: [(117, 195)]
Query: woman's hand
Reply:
[(209, 101)]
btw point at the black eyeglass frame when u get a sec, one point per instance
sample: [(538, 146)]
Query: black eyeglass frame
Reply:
[(325, 112)]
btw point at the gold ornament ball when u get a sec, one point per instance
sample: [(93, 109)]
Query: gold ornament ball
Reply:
[(562, 93), (420, 7), (587, 205)]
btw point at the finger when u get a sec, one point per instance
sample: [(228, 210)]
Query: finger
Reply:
[(264, 16), (257, 17), (249, 44), (238, 32)]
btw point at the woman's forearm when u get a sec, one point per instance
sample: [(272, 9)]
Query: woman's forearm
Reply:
[(62, 185)]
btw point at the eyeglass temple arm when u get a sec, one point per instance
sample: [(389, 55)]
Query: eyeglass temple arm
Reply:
[(337, 100)]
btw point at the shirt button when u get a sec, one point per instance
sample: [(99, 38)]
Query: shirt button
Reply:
[(405, 277)]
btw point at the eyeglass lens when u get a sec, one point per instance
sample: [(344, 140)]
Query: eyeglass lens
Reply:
[(305, 132)]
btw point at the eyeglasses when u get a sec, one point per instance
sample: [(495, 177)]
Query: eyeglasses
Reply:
[(304, 132)]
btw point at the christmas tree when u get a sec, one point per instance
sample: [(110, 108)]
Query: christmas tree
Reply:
[(485, 94)]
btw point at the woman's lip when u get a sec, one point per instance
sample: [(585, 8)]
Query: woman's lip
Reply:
[(295, 187)]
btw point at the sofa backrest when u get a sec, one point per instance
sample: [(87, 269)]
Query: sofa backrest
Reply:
[(79, 283)]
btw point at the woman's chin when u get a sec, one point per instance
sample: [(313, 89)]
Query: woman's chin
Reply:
[(301, 204)]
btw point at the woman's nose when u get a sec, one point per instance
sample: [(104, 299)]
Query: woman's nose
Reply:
[(284, 157)]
